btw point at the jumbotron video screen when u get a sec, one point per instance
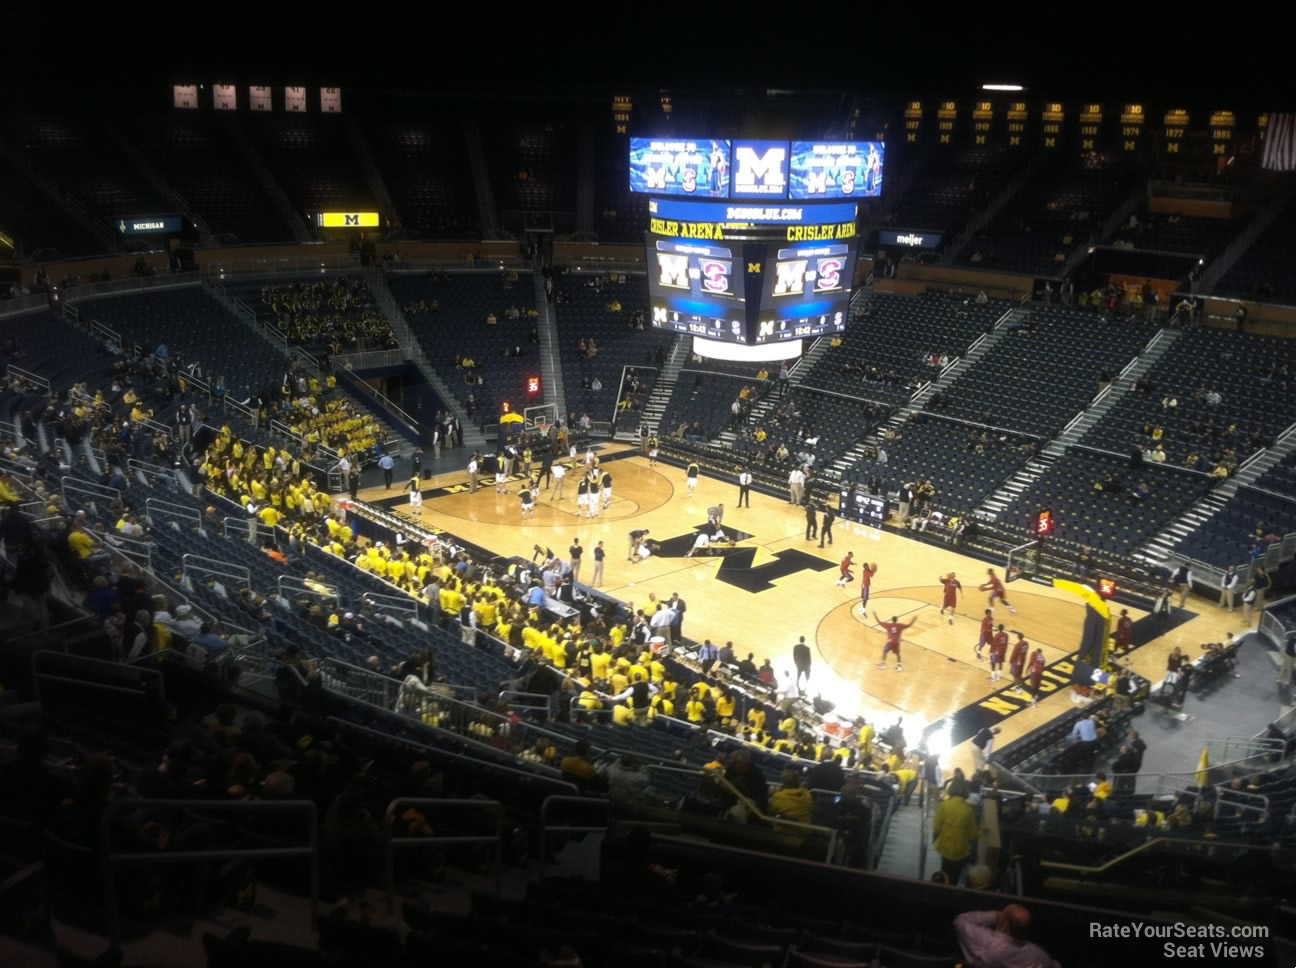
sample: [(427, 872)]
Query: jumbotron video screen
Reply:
[(750, 274)]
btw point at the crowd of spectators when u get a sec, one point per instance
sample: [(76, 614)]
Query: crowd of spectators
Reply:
[(339, 313)]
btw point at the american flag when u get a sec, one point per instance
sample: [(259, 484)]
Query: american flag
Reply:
[(1280, 143)]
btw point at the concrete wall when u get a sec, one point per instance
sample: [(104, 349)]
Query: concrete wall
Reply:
[(446, 251), (118, 266), (1001, 285)]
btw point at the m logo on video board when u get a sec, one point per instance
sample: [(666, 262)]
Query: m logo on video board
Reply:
[(760, 168), (789, 278), (673, 270)]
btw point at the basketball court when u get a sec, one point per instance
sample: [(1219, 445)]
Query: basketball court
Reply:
[(775, 586)]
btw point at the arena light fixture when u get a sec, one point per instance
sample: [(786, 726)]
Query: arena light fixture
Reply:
[(1002, 87)]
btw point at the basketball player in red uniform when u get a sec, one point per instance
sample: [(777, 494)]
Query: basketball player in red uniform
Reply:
[(987, 633), (866, 582), (846, 564), (893, 630), (1017, 663), (1124, 636), (998, 650), (996, 589), (1036, 674), (952, 588)]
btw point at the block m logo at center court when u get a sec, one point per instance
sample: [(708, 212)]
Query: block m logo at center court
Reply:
[(736, 565), (760, 172), (737, 570)]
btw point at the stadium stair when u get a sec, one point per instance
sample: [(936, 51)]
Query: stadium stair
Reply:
[(550, 355), (132, 154), (64, 201), (1265, 217), (482, 189), (392, 429), (761, 410), (585, 186), (978, 349), (267, 180), (1133, 201), (1084, 421), (897, 186), (899, 855), (983, 218), (1159, 549), (382, 294), (798, 370), (1015, 485), (655, 408), (373, 177)]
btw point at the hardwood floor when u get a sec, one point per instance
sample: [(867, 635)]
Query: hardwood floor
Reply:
[(784, 587)]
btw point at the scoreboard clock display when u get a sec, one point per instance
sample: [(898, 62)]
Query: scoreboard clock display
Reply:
[(750, 273), (859, 505), (806, 293), (692, 289)]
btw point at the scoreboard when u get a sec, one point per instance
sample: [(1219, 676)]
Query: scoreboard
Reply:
[(693, 289), (842, 169), (750, 274), (857, 504), (680, 166), (806, 292)]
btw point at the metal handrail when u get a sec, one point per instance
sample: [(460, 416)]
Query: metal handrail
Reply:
[(391, 602), (924, 826), (544, 700), (154, 506), (82, 660), (246, 527), (35, 378), (147, 469), (88, 488), (193, 564), (107, 332), (547, 829), (279, 427), (580, 712), (1145, 846), (755, 811), (140, 552), (91, 621), (109, 858), (493, 808)]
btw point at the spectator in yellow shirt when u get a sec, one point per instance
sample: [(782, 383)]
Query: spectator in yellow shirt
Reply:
[(954, 829), (1103, 788), (792, 801), (81, 542), (695, 709)]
